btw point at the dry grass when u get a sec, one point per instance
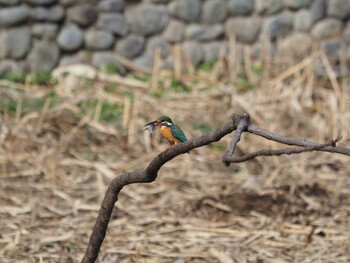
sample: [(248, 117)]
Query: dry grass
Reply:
[(56, 159)]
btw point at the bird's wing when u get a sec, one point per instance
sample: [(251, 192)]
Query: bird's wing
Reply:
[(178, 133)]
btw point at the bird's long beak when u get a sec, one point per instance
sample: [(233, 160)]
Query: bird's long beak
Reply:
[(152, 122)]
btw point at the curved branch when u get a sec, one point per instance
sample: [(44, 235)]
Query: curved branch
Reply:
[(279, 152), (146, 176), (241, 123)]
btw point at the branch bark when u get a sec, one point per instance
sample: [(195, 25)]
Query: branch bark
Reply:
[(240, 123), (278, 152), (242, 126), (297, 141), (146, 176)]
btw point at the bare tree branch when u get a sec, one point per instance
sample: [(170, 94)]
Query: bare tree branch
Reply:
[(252, 128), (147, 176), (241, 123), (278, 152), (242, 126)]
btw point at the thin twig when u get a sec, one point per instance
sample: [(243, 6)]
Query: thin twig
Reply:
[(268, 152), (295, 141), (242, 126)]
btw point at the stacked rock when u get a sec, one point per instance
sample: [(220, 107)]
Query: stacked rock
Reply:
[(39, 35)]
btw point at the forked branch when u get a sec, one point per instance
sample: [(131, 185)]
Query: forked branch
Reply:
[(240, 123)]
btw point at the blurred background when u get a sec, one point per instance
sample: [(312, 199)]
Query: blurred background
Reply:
[(79, 79)]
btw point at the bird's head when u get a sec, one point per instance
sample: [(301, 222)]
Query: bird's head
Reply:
[(161, 120)]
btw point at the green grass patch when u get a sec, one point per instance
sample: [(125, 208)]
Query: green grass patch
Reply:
[(42, 78), (35, 104), (111, 68), (111, 112), (258, 70), (28, 104), (54, 98), (178, 86), (157, 94), (8, 104), (88, 104), (207, 66), (87, 84), (140, 76), (111, 88), (15, 77), (130, 95), (243, 83)]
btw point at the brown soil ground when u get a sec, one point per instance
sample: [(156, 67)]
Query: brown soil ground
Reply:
[(56, 162)]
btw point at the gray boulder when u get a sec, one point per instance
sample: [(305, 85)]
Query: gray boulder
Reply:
[(245, 29), (9, 2), (158, 42), (51, 14), (147, 19), (339, 9), (331, 47), (113, 22), (326, 28), (98, 39), (167, 63), (81, 57), (346, 33), (278, 25), (318, 10), (145, 61), (41, 2), (55, 13), (214, 11), (11, 16), (297, 45), (158, 1), (268, 7), (70, 38), (111, 6), (83, 15), (212, 50), (174, 31), (103, 58), (186, 10), (68, 3), (44, 56), (297, 4), (203, 32), (15, 43), (38, 14), (193, 51), (303, 20), (240, 7), (45, 31), (9, 66), (131, 46)]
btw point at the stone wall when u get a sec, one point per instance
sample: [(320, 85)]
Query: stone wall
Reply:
[(38, 35)]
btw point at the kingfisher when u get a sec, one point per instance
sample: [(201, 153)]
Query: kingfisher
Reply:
[(169, 131)]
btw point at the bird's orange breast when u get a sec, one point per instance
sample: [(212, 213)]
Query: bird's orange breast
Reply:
[(166, 133)]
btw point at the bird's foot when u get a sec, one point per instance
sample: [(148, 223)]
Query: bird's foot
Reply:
[(167, 149)]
